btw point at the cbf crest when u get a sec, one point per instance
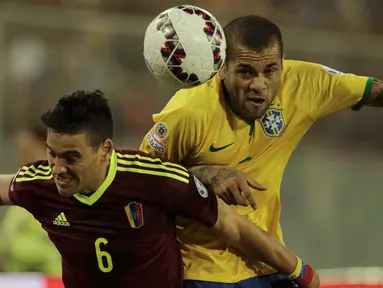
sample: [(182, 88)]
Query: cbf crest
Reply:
[(272, 122)]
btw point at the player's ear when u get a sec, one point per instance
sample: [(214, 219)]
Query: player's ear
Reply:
[(282, 61), (107, 149)]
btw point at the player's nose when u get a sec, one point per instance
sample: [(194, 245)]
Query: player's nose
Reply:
[(258, 84), (58, 169)]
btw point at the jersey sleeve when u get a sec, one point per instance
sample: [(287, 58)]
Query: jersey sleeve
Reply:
[(20, 194), (329, 90), (24, 187), (176, 133), (186, 196)]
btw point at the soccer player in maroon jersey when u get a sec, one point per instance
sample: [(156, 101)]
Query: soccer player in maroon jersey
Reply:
[(110, 212)]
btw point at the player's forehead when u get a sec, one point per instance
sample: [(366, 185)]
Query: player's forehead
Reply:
[(61, 143), (245, 57)]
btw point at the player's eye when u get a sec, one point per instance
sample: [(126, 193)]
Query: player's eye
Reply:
[(71, 160), (270, 71), (245, 72)]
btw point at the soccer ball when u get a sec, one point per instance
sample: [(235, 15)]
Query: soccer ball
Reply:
[(184, 46)]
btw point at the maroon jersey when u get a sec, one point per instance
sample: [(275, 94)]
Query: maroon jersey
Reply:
[(124, 234)]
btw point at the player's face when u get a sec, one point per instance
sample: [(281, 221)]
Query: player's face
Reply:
[(252, 80), (76, 166)]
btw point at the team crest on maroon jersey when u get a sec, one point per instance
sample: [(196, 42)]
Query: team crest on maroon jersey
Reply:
[(135, 214)]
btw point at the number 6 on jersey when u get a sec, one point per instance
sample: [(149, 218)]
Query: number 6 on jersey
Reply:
[(101, 255)]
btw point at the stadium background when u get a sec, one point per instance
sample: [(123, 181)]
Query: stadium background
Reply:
[(331, 191)]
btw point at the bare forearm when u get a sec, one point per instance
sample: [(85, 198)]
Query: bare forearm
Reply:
[(258, 245), (210, 174), (268, 249), (5, 181), (253, 241)]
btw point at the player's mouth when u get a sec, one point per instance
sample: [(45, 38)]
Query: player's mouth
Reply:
[(63, 182), (257, 101)]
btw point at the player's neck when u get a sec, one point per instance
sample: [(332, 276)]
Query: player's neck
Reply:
[(97, 181)]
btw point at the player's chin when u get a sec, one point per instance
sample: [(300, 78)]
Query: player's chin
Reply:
[(256, 111), (66, 191)]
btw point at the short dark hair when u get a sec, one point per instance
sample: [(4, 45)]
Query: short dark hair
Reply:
[(253, 32), (79, 112)]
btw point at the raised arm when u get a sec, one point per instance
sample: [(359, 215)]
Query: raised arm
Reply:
[(5, 182), (257, 244)]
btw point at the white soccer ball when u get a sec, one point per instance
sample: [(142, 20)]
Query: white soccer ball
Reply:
[(184, 46)]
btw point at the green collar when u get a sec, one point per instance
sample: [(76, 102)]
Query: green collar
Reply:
[(93, 198)]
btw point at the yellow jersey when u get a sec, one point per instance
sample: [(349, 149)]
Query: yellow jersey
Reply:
[(198, 127)]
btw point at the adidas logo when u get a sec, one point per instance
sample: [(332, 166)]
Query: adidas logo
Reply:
[(61, 220)]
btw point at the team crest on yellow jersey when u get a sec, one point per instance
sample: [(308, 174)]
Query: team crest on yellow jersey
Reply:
[(273, 122), (161, 130)]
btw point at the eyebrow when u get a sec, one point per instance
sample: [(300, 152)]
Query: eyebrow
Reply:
[(243, 65), (272, 64), (74, 153)]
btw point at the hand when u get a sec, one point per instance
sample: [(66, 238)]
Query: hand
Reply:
[(315, 282), (233, 186)]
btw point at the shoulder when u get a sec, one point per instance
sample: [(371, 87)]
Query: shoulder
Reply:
[(196, 102), (304, 69), (38, 172), (137, 163), (302, 78), (32, 179)]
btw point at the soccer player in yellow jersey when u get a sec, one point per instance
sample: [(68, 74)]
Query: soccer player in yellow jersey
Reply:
[(250, 118)]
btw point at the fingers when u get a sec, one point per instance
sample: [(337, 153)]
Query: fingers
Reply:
[(255, 185), (237, 195), (223, 193), (315, 282), (247, 195), (237, 190), (227, 198), (230, 199)]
